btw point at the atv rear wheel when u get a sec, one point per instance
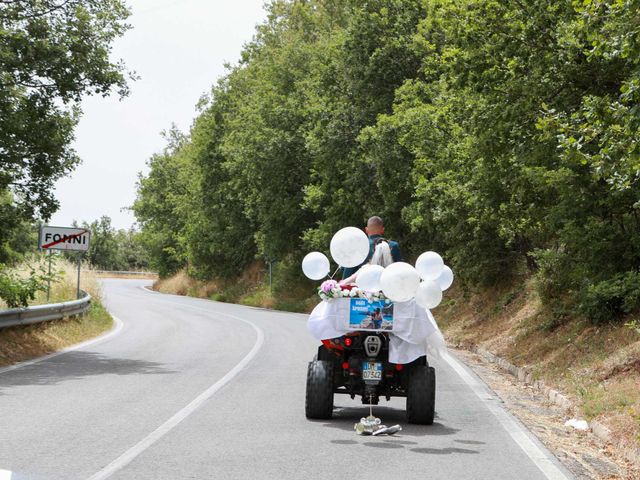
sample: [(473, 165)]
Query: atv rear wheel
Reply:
[(421, 395), (319, 399)]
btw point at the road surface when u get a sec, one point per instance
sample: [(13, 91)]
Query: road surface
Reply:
[(187, 388)]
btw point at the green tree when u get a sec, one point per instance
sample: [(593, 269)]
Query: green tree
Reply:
[(162, 204), (104, 249), (502, 134), (51, 54)]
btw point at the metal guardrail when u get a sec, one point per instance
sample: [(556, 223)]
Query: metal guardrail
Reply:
[(123, 273), (43, 313)]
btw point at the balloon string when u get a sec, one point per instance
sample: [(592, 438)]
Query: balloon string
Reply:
[(334, 273)]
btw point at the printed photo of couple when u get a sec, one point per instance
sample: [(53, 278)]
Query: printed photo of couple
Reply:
[(370, 316)]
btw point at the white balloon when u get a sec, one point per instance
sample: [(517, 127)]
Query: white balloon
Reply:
[(399, 281), (429, 265), (349, 247), (368, 278), (315, 265), (429, 294), (445, 279)]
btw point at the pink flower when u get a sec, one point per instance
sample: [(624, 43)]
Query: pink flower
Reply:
[(327, 285)]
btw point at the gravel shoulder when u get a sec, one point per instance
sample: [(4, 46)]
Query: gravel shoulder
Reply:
[(580, 451)]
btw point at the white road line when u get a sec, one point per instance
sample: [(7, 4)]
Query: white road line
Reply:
[(517, 432), (5, 475), (113, 332), (128, 456)]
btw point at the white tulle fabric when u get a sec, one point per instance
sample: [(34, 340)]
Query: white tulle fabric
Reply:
[(415, 331)]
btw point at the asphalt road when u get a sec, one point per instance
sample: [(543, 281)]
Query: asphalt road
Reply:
[(187, 388)]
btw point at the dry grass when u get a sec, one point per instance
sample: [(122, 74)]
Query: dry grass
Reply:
[(178, 284), (250, 288), (25, 342), (63, 287), (598, 366), (22, 343)]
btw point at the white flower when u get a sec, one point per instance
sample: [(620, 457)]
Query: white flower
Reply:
[(353, 293)]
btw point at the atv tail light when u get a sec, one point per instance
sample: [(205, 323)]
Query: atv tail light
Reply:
[(345, 365), (399, 367), (348, 342)]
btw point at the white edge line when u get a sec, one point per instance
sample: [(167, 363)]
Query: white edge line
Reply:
[(128, 456), (517, 432), (105, 336)]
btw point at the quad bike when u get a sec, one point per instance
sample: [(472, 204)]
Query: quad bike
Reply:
[(358, 364)]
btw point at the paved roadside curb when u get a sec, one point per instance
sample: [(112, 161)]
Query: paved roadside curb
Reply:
[(599, 430)]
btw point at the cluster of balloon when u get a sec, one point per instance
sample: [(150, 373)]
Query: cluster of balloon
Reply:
[(436, 278), (349, 248), (400, 281)]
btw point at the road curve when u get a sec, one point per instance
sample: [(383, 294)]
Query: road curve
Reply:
[(194, 389)]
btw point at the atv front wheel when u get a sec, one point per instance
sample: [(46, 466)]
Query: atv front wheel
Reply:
[(319, 399), (421, 395)]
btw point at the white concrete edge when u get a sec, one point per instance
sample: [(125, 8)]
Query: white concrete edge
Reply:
[(133, 452), (530, 446), (117, 328), (5, 474)]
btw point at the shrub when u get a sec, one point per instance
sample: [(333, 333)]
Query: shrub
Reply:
[(610, 299), (17, 291)]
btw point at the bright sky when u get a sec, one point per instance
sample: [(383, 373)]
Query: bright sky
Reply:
[(178, 48)]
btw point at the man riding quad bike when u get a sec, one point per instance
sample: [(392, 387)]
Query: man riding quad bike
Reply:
[(358, 364)]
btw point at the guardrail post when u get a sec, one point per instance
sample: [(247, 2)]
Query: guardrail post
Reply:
[(79, 265)]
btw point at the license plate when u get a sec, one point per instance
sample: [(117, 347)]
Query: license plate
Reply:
[(371, 371)]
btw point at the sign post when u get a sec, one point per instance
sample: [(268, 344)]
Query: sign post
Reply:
[(79, 266), (49, 278), (65, 239)]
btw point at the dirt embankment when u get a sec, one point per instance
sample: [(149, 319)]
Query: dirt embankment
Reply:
[(596, 366)]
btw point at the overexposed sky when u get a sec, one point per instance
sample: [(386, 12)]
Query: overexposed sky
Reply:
[(178, 48)]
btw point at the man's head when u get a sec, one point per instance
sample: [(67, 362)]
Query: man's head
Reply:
[(375, 226)]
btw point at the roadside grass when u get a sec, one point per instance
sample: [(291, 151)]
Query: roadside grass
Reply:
[(251, 289), (63, 286), (22, 343), (596, 365)]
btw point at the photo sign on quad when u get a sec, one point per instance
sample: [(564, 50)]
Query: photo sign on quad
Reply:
[(370, 315)]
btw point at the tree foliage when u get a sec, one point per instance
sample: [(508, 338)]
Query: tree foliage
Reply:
[(52, 52), (503, 134), (111, 249)]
